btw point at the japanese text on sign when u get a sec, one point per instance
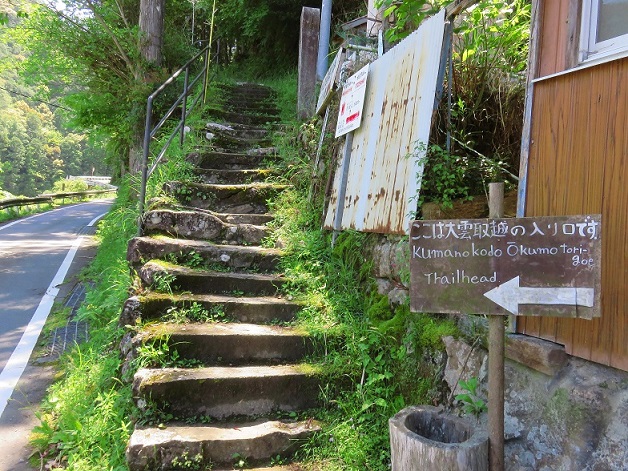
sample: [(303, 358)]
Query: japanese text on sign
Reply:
[(532, 266), (352, 102)]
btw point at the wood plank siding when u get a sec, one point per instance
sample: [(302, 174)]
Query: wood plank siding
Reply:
[(577, 164), (558, 44)]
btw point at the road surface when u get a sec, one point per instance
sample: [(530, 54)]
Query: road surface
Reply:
[(36, 254)]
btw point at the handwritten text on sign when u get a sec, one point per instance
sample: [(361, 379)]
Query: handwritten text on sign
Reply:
[(546, 266)]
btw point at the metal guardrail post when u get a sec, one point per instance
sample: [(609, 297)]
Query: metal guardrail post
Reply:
[(184, 105), (145, 151), (150, 131), (205, 75)]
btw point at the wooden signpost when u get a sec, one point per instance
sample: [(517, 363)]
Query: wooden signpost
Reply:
[(547, 266)]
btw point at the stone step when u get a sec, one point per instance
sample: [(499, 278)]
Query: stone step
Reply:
[(248, 89), (202, 225), (242, 118), (232, 344), (235, 143), (222, 393), (236, 198), (227, 176), (211, 445), (239, 130), (256, 219), (254, 309), (226, 160), (264, 108), (229, 256), (209, 282)]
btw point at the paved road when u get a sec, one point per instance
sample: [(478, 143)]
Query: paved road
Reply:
[(36, 253)]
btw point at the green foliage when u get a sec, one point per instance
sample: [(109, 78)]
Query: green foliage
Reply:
[(408, 15), (195, 312), (90, 54), (36, 148), (386, 357), (62, 186), (490, 50), (471, 402), (445, 179), (86, 417), (185, 461)]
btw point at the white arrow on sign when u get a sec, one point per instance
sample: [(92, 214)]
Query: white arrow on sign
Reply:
[(509, 295)]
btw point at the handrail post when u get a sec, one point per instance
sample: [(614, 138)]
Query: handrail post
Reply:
[(205, 69), (145, 151), (184, 105)]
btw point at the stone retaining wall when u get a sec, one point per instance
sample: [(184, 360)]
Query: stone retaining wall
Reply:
[(561, 412)]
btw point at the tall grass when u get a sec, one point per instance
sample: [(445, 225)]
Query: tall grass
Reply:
[(86, 418)]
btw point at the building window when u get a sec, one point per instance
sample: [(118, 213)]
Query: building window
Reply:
[(604, 29)]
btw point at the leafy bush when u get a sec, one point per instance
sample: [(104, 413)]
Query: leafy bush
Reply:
[(63, 186), (484, 122)]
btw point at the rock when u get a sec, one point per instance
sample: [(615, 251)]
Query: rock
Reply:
[(190, 224), (463, 363), (131, 312)]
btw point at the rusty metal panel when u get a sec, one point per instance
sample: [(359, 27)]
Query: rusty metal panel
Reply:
[(385, 169)]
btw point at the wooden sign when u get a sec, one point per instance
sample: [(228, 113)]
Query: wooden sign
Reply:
[(352, 102), (547, 266), (329, 82)]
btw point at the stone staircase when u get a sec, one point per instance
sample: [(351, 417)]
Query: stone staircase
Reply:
[(210, 299)]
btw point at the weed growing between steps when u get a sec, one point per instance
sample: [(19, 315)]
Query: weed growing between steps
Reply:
[(378, 359)]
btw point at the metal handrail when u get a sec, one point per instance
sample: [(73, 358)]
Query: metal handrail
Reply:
[(182, 100)]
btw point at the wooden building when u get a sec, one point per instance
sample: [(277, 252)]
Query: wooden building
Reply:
[(575, 154)]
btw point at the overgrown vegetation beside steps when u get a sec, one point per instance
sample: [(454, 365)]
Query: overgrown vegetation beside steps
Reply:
[(376, 358)]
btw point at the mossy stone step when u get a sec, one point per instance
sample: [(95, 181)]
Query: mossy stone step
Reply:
[(225, 160), (201, 225), (211, 445), (232, 343), (256, 219), (231, 160), (236, 257), (239, 130), (255, 309), (245, 106), (236, 198), (228, 176), (247, 89), (227, 392), (242, 118), (209, 282), (235, 143)]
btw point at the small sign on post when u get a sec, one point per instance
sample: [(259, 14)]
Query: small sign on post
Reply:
[(329, 81), (546, 266), (352, 102)]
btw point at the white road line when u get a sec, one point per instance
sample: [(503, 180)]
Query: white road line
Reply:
[(14, 368)]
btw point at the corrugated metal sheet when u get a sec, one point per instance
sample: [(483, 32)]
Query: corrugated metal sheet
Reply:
[(384, 172)]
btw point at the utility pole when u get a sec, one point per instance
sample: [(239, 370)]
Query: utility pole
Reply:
[(323, 40)]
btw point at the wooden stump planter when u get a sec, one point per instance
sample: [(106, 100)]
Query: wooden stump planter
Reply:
[(423, 438)]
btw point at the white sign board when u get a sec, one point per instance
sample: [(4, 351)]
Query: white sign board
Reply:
[(352, 102), (329, 81)]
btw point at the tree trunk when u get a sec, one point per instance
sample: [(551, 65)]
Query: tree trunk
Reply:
[(152, 28), (424, 438)]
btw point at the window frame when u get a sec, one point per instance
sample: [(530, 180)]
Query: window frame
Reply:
[(590, 49)]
